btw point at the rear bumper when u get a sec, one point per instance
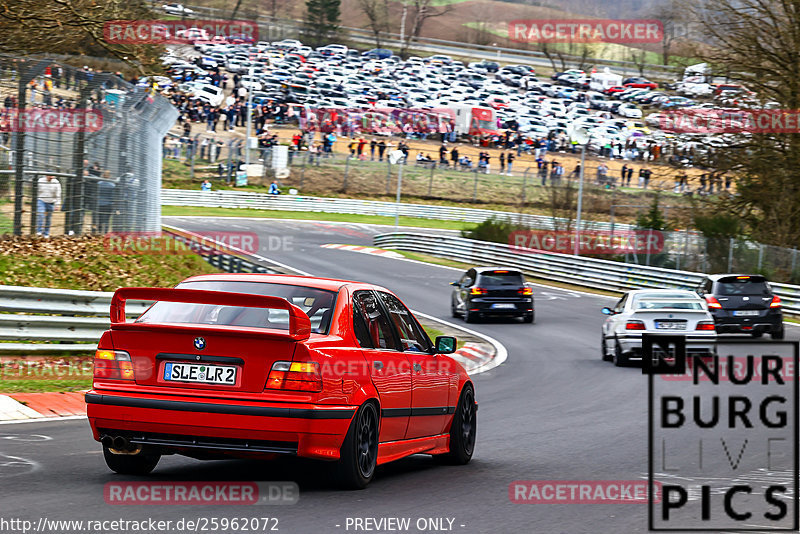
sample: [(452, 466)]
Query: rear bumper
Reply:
[(725, 323), (182, 424), (695, 344), (486, 306)]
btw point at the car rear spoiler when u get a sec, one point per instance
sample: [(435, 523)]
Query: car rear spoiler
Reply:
[(299, 323)]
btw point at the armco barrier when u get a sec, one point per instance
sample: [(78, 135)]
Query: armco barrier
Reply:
[(242, 199), (587, 272)]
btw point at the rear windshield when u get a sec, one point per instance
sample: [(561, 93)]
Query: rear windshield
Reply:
[(749, 285), (317, 303), (678, 304), (501, 278)]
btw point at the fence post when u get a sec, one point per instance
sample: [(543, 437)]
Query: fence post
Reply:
[(388, 174), (230, 157), (730, 254), (760, 255), (346, 170), (19, 163), (34, 201), (303, 169), (193, 147), (524, 184), (794, 261), (475, 188), (430, 181)]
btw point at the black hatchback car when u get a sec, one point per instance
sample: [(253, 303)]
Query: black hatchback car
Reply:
[(743, 304), (492, 291)]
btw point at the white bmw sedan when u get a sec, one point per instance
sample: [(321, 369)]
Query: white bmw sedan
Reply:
[(656, 311)]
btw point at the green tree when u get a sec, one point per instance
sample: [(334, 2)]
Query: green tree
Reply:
[(652, 219), (321, 21)]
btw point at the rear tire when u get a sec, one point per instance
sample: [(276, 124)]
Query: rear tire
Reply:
[(757, 334), (604, 349), (130, 464), (470, 317), (528, 318), (619, 358), (778, 334), (463, 429), (359, 452)]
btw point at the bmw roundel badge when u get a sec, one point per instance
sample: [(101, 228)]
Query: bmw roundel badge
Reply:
[(199, 343)]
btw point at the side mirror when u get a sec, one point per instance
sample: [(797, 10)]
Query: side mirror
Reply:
[(456, 283), (445, 344), (607, 311)]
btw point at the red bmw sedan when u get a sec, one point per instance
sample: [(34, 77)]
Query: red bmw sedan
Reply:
[(257, 366)]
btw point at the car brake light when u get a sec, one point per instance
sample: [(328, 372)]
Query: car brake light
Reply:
[(776, 302), (743, 278), (113, 365), (713, 303), (525, 291), (634, 325), (295, 376), (478, 291), (705, 325)]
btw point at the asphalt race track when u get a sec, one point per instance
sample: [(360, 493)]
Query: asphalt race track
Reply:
[(553, 411)]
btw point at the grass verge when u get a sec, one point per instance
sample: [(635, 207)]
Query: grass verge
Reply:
[(167, 211), (40, 386)]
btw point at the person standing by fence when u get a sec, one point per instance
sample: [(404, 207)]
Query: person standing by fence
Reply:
[(48, 201)]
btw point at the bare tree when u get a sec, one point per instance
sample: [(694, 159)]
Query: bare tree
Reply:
[(74, 27), (758, 43), (673, 19), (377, 13), (419, 12)]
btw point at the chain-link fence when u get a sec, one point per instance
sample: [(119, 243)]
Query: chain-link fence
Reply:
[(80, 150)]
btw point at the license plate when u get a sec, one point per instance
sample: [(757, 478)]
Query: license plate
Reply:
[(745, 313), (503, 306), (670, 325), (197, 372)]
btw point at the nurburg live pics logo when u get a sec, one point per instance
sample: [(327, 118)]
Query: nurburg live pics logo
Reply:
[(724, 443)]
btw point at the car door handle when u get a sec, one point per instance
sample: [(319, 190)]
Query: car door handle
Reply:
[(417, 367), (378, 365)]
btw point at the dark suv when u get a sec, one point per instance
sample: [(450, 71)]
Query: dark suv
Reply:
[(742, 304), (491, 291)]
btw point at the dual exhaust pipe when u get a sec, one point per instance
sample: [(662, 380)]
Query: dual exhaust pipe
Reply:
[(120, 445)]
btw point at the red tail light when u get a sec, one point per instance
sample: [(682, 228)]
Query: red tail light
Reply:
[(113, 365), (295, 376), (776, 302), (713, 303), (634, 325), (525, 291), (478, 291), (705, 325)]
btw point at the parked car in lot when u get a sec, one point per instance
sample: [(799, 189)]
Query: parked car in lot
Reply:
[(491, 291), (639, 83), (258, 366), (743, 304), (655, 311)]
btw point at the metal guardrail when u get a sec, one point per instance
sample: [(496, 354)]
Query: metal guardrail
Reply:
[(587, 272), (243, 199)]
